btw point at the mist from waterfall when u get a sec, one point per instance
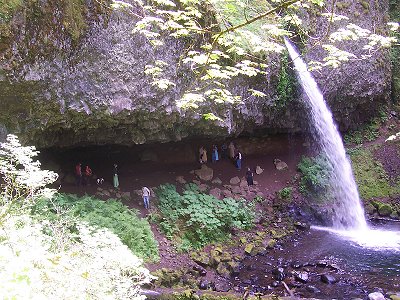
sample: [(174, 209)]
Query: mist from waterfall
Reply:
[(347, 212)]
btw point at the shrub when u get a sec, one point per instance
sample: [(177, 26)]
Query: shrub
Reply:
[(112, 214), (23, 179), (285, 193), (315, 175), (197, 219), (95, 263)]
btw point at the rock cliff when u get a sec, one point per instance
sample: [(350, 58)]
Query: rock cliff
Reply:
[(73, 74)]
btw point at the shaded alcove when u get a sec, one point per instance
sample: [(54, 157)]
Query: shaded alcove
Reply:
[(153, 164)]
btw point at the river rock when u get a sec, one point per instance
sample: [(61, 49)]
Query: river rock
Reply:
[(201, 258), (280, 165), (312, 289), (296, 265), (180, 179), (301, 276), (216, 181), (385, 210), (329, 279), (204, 173), (223, 270), (302, 225), (204, 284), (279, 273), (216, 192), (234, 180), (376, 296), (259, 170)]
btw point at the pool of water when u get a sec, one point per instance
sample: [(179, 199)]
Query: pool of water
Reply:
[(358, 269)]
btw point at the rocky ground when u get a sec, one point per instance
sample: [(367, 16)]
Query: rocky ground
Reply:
[(216, 266)]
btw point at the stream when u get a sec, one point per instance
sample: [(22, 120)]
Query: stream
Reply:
[(304, 260)]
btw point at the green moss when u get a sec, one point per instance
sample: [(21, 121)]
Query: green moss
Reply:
[(372, 180), (7, 9), (343, 5), (365, 5), (287, 83), (74, 18)]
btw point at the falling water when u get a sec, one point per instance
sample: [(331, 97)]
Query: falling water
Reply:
[(348, 212)]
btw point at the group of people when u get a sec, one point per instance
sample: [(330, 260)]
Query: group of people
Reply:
[(229, 151), (83, 177)]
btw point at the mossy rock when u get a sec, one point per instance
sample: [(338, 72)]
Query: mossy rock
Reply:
[(243, 240), (271, 243), (385, 210), (203, 259), (224, 270), (225, 257), (394, 297), (370, 209), (248, 249)]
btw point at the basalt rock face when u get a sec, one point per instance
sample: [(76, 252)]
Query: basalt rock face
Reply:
[(355, 90), (94, 91)]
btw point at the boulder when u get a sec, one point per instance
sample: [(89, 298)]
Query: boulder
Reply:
[(329, 279), (180, 179), (301, 276), (280, 165), (216, 181), (216, 192), (204, 173), (234, 180), (223, 270), (385, 210), (376, 296), (201, 258), (259, 170)]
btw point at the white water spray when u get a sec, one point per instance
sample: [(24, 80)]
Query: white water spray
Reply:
[(348, 219), (348, 212)]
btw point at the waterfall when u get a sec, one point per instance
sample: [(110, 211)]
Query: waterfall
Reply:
[(347, 212)]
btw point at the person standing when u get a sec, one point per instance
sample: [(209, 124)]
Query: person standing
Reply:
[(146, 197), (215, 156), (249, 177), (87, 174), (78, 174), (224, 151), (239, 160), (231, 148), (115, 177)]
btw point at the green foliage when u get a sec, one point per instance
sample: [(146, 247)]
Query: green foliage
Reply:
[(371, 178), (287, 83), (285, 193), (112, 214), (197, 219), (367, 132), (94, 262), (315, 175), (7, 8), (23, 180)]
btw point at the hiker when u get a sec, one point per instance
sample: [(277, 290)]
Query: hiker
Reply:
[(249, 177), (224, 151), (78, 174), (115, 177), (238, 158), (214, 155), (231, 148), (146, 197), (203, 155), (86, 175)]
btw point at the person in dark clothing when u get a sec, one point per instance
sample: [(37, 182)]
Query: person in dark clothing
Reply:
[(78, 174), (249, 177), (224, 151)]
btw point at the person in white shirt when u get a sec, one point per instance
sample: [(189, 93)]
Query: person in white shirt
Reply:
[(146, 197)]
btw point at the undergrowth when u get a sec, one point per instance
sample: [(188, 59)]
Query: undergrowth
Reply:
[(371, 178), (112, 214), (315, 176), (194, 219)]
